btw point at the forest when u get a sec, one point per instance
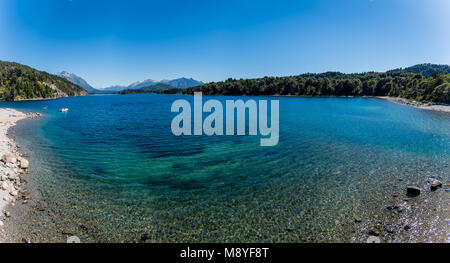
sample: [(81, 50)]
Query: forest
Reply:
[(19, 82), (396, 83)]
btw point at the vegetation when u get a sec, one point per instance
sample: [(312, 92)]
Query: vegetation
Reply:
[(19, 82), (397, 83), (426, 70), (157, 88)]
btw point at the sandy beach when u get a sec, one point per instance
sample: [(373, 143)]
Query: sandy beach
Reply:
[(13, 165), (418, 104)]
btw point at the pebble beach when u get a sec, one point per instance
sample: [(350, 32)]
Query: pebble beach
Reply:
[(13, 166)]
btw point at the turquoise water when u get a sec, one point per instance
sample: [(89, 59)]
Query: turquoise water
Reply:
[(110, 170)]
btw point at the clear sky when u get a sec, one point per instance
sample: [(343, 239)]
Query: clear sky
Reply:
[(112, 42)]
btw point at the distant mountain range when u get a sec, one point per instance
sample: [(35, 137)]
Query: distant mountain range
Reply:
[(181, 83), (157, 88)]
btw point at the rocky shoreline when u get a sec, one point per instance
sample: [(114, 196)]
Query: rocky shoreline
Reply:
[(13, 166), (417, 104)]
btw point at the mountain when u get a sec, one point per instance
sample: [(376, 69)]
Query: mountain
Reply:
[(142, 84), (181, 83), (426, 69), (157, 88), (77, 80), (20, 82), (115, 88)]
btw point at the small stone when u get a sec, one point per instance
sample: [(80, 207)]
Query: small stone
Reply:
[(390, 229), (390, 208), (7, 214), (407, 228), (12, 176), (145, 237), (85, 228), (66, 232), (413, 190), (41, 206), (14, 193), (435, 185), (358, 219), (5, 185), (2, 225), (374, 232)]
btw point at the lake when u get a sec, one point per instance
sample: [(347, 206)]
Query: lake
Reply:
[(110, 170)]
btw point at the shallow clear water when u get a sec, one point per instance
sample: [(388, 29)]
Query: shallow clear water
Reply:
[(111, 170)]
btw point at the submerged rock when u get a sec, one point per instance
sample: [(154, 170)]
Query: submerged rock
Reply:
[(435, 185), (413, 190), (145, 238), (374, 232), (390, 229)]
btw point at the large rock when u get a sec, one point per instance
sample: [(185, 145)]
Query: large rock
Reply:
[(435, 185), (9, 158), (413, 190), (24, 164)]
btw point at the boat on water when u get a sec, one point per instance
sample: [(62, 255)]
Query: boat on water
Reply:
[(64, 110), (45, 108)]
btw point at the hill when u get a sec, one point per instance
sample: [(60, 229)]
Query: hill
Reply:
[(20, 82), (426, 69), (183, 83)]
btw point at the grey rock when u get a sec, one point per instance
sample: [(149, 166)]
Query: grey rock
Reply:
[(435, 185), (413, 190)]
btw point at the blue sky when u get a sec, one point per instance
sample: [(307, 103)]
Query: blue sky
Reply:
[(119, 42)]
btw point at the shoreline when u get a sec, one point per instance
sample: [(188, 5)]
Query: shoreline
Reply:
[(416, 104), (13, 166)]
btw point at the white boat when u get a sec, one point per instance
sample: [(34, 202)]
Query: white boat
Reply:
[(64, 110)]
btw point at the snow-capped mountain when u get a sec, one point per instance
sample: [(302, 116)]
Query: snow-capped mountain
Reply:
[(76, 80), (181, 83)]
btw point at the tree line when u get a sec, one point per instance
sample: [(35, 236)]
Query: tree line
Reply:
[(396, 84)]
